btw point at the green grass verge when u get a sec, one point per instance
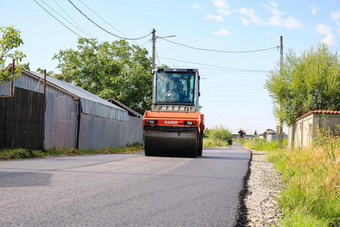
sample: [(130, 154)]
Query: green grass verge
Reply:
[(19, 153), (311, 196), (208, 142), (262, 145)]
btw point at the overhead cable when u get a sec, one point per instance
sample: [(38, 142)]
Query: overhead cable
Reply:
[(220, 51), (79, 27), (221, 67), (120, 37), (63, 17), (101, 18), (57, 19)]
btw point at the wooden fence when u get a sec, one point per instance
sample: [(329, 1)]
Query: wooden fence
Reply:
[(22, 120)]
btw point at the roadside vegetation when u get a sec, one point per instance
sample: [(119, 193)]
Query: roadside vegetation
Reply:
[(312, 181), (262, 144), (218, 136), (20, 153)]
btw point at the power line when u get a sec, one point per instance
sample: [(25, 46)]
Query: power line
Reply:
[(82, 29), (126, 38), (101, 18), (220, 51), (62, 17), (216, 66), (57, 19)]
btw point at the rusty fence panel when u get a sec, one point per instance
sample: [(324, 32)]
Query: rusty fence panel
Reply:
[(22, 120)]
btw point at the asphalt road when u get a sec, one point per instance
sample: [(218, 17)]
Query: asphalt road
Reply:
[(123, 190)]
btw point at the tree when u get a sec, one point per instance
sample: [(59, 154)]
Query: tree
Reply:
[(308, 82), (110, 70), (9, 40)]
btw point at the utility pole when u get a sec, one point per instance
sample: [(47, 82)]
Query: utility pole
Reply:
[(154, 37), (153, 48), (281, 71)]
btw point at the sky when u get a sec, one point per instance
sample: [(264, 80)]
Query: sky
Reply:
[(242, 37)]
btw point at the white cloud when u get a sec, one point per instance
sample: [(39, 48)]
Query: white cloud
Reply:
[(278, 20), (274, 4), (196, 6), (221, 4), (336, 17), (268, 34), (251, 15), (291, 23), (313, 8), (224, 12), (327, 36), (223, 32), (245, 21), (214, 17)]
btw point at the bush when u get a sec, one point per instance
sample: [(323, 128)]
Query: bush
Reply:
[(220, 133)]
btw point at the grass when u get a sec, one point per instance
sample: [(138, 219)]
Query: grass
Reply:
[(311, 196), (209, 142), (262, 144), (20, 153)]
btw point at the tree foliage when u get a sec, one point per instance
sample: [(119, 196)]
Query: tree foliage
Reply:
[(307, 82), (110, 70), (9, 41), (220, 132)]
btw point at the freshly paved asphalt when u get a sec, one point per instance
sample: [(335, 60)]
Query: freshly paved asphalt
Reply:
[(123, 190)]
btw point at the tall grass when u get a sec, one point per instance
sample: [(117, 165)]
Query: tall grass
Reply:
[(312, 177), (20, 153), (262, 144)]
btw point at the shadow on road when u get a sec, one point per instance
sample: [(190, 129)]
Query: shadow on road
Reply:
[(24, 179)]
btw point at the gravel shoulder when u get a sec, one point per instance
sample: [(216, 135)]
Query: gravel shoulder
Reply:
[(264, 185)]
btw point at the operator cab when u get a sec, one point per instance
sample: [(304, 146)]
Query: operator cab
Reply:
[(175, 90)]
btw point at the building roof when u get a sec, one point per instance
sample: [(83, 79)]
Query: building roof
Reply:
[(270, 131), (90, 103), (128, 109), (318, 112)]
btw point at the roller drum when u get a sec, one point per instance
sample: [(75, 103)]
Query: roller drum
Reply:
[(175, 144)]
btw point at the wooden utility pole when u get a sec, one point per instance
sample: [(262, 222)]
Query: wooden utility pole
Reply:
[(44, 84), (281, 71), (153, 48), (12, 78)]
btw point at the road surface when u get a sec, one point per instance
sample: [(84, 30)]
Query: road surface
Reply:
[(123, 190)]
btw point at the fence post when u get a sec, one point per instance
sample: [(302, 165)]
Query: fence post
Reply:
[(44, 85), (12, 77)]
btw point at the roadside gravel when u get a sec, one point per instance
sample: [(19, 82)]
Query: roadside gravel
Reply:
[(264, 185)]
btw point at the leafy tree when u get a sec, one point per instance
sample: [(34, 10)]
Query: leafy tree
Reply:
[(110, 70), (9, 40), (308, 82), (49, 73), (221, 133)]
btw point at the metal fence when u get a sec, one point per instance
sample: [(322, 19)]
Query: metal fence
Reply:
[(61, 122), (54, 121), (22, 120)]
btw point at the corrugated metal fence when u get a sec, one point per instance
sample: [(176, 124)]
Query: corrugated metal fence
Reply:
[(22, 120), (29, 120), (61, 122)]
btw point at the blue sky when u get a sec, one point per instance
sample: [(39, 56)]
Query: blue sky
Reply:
[(232, 92)]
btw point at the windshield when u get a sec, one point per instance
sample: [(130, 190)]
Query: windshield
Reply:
[(175, 87)]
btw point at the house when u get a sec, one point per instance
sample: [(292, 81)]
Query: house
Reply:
[(270, 135), (242, 133), (75, 118), (306, 127)]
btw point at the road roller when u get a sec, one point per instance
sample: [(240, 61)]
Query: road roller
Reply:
[(174, 126)]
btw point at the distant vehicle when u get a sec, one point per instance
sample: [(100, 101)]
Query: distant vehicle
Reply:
[(174, 126)]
